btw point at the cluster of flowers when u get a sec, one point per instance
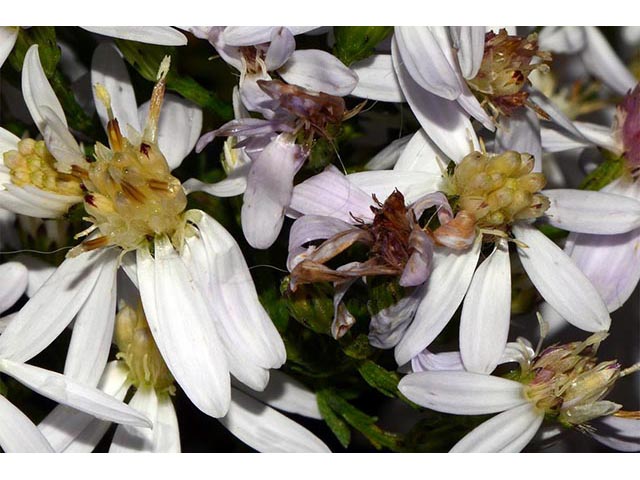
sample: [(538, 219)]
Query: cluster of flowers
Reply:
[(443, 214)]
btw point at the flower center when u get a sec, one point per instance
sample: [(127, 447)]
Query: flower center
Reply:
[(131, 195), (568, 383), (498, 189), (506, 65), (32, 164), (139, 351)]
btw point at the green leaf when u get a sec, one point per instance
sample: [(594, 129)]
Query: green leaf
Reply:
[(357, 347), (45, 38), (379, 378), (311, 305), (612, 168), (383, 292), (146, 60), (357, 43), (339, 428)]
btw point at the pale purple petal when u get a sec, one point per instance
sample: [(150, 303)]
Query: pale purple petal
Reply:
[(421, 155), (266, 430), (53, 307), (377, 79), (387, 327), (281, 47), (450, 278), (484, 325), (462, 393), (604, 64), (622, 434), (418, 267), (191, 347), (8, 37), (389, 155), (521, 132), (555, 114), (62, 389), (14, 277), (560, 282), (309, 228), (510, 431), (154, 35), (269, 191), (470, 44), (37, 90), (18, 434), (444, 121), (331, 194), (178, 129), (422, 55), (108, 69), (244, 36), (319, 71), (584, 211), (381, 183), (93, 328)]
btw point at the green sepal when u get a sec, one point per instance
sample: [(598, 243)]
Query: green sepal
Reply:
[(383, 380), (338, 426), (311, 305), (357, 43), (612, 168), (384, 292)]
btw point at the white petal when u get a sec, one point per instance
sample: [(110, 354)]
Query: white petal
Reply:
[(39, 272), (154, 35), (521, 132), (331, 194), (108, 69), (446, 361), (562, 39), (93, 328), (388, 156), (191, 346), (484, 325), (281, 47), (18, 434), (37, 91), (470, 44), (269, 190), (560, 282), (235, 184), (8, 141), (179, 127), (556, 140), (462, 393), (60, 142), (14, 277), (62, 389), (604, 64), (8, 37), (592, 212), (610, 262), (423, 57), (449, 281), (244, 36), (53, 307), (556, 115), (622, 434), (444, 121), (600, 135), (510, 431), (233, 293), (164, 437), (382, 183), (387, 327), (308, 228), (320, 71), (266, 430), (421, 155), (69, 430), (33, 202), (377, 79), (285, 393)]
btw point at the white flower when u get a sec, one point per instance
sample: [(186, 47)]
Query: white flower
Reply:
[(564, 383), (196, 289)]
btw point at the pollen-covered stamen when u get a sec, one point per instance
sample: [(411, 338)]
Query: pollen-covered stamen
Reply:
[(568, 383), (627, 128), (498, 189), (506, 64), (157, 96), (139, 351), (32, 164), (253, 58)]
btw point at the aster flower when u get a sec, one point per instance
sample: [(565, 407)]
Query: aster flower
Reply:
[(501, 196), (140, 367), (564, 383), (295, 113), (611, 262), (197, 272)]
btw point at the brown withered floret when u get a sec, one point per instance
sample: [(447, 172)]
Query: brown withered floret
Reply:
[(388, 239)]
